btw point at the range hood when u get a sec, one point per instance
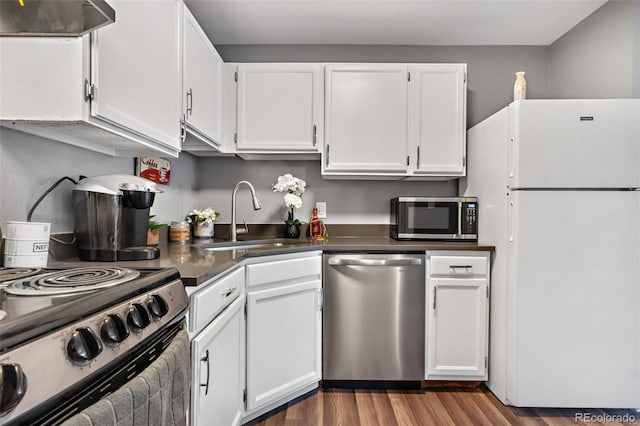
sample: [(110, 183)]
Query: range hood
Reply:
[(53, 18)]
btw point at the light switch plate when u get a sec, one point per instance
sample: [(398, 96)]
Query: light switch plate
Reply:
[(322, 209)]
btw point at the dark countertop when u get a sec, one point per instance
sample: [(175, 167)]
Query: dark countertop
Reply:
[(197, 266)]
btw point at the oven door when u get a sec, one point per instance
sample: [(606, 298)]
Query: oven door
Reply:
[(427, 220)]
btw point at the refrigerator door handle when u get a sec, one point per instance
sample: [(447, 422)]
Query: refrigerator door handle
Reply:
[(512, 156), (512, 212)]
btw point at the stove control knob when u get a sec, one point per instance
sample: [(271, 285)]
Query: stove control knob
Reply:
[(157, 306), (114, 330), (13, 386), (83, 346), (138, 317)]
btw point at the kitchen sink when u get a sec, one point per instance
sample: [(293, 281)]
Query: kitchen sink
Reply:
[(241, 245)]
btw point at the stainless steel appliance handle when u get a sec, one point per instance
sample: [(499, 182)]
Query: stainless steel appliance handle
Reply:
[(334, 261)]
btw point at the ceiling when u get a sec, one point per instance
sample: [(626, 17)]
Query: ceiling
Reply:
[(397, 22)]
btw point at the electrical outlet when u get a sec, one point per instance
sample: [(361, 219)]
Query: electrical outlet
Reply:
[(322, 209)]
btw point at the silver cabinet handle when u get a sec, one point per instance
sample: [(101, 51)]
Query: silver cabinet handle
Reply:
[(315, 134), (418, 158), (334, 261), (228, 291), (435, 296), (206, 359), (183, 128), (320, 299), (189, 102), (326, 159), (460, 266)]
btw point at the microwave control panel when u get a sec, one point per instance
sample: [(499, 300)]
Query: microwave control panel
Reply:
[(469, 218)]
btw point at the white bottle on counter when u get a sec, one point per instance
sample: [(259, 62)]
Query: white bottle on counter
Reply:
[(520, 87)]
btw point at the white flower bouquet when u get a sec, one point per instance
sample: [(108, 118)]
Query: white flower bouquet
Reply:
[(207, 213), (293, 188)]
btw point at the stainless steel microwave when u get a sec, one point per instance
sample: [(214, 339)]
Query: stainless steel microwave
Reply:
[(434, 218)]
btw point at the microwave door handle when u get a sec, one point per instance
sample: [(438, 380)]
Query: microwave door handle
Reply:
[(459, 230)]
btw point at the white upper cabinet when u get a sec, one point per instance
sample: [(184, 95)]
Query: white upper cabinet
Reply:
[(395, 120), (136, 70), (279, 108), (116, 91), (201, 89), (437, 119), (366, 119)]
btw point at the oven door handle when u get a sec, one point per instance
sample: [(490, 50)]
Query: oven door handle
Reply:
[(375, 262), (206, 359)]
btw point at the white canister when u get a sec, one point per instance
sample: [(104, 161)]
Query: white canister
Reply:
[(26, 244)]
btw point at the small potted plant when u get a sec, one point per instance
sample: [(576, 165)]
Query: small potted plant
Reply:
[(202, 222), (153, 234)]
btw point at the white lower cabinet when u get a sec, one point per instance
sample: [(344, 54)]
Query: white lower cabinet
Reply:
[(284, 330), (218, 369), (457, 315), (217, 330)]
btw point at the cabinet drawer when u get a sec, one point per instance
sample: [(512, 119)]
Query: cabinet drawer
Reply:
[(283, 270), (205, 304), (458, 265)]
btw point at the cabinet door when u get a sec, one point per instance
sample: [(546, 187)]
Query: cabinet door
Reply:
[(366, 119), (202, 84), (437, 119), (217, 370), (283, 341), (279, 107), (457, 328), (136, 69)]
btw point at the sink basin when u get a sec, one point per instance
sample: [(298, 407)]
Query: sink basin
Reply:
[(240, 245)]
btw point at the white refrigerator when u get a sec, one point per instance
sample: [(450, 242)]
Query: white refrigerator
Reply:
[(557, 185)]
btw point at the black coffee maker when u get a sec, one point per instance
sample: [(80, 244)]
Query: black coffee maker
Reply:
[(112, 218)]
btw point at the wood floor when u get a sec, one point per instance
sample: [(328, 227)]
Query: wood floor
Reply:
[(430, 407)]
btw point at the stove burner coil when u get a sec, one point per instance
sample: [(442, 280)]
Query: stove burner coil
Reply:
[(69, 281), (89, 276), (11, 274)]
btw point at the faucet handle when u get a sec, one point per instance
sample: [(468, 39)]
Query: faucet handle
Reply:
[(244, 230)]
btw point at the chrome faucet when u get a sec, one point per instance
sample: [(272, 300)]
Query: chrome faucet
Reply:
[(256, 206)]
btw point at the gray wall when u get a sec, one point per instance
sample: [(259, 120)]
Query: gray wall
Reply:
[(30, 164), (347, 201), (491, 69), (600, 57)]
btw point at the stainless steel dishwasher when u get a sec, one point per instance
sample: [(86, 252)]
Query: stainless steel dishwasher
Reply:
[(373, 319)]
